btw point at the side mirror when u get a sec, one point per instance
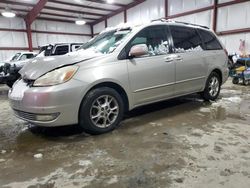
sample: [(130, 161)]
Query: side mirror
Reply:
[(138, 50)]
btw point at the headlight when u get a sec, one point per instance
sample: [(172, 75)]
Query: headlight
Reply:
[(57, 76)]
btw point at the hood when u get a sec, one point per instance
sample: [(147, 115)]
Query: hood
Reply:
[(19, 63), (3, 62), (41, 65)]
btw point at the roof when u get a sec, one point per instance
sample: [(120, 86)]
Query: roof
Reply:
[(162, 20), (63, 43), (126, 26), (26, 52)]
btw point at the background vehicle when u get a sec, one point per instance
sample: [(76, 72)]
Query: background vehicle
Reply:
[(20, 56), (9, 70), (120, 70), (240, 71), (59, 49)]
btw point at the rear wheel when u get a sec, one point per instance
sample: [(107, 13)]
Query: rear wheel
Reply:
[(213, 86), (236, 80), (101, 111)]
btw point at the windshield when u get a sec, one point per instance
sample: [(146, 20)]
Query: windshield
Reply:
[(106, 42), (15, 57)]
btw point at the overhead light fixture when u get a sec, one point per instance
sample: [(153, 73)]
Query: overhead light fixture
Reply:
[(110, 1), (8, 13), (80, 21)]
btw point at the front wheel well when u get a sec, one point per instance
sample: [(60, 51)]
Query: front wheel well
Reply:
[(116, 87)]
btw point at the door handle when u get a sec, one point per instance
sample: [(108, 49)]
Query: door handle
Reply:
[(173, 57)]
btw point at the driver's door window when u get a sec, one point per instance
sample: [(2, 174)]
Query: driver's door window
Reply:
[(155, 38)]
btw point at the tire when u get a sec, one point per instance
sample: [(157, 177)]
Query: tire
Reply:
[(212, 88), (97, 116), (245, 82), (235, 80)]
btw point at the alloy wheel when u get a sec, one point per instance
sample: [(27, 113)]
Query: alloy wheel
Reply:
[(214, 86), (104, 111)]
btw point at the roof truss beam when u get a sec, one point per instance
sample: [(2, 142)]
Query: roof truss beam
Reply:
[(23, 11), (52, 8), (79, 5), (124, 8), (32, 15)]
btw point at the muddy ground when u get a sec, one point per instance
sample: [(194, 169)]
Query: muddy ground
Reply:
[(184, 142)]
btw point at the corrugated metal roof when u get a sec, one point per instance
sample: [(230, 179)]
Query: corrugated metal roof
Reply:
[(92, 11)]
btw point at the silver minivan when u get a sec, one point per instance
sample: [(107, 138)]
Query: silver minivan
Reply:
[(117, 71)]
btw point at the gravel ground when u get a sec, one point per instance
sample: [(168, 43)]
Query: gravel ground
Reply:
[(179, 143)]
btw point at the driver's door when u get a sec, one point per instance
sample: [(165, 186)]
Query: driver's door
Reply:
[(152, 76)]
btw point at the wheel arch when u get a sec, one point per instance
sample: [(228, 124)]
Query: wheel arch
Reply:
[(219, 72), (114, 86)]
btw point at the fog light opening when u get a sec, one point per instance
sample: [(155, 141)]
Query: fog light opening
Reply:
[(47, 117)]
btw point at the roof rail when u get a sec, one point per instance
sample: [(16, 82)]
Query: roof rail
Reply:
[(186, 23), (162, 20)]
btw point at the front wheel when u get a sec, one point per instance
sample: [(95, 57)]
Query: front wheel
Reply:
[(101, 111), (213, 86), (236, 80)]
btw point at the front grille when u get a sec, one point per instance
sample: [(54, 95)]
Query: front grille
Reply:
[(25, 115)]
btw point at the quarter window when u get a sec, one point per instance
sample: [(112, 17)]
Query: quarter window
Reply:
[(210, 41), (155, 38), (185, 39)]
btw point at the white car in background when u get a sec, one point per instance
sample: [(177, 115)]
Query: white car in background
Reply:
[(10, 67), (20, 56), (9, 70)]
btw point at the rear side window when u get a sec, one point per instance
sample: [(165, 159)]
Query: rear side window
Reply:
[(185, 39), (210, 41)]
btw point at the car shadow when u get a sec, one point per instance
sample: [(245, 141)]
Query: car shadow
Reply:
[(63, 131), (170, 107), (3, 90)]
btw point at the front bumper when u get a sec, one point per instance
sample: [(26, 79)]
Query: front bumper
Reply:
[(47, 106)]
